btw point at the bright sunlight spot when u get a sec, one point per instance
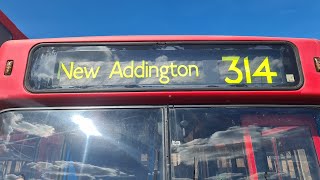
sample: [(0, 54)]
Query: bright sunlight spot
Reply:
[(86, 125)]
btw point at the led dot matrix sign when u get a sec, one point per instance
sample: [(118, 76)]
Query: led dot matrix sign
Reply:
[(148, 67)]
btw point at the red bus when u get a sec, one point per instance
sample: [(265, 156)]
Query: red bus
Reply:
[(160, 107)]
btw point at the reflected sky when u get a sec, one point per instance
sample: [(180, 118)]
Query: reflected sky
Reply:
[(127, 143), (53, 170), (92, 144), (203, 147), (224, 143)]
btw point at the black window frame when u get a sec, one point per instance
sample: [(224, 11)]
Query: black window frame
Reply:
[(30, 89)]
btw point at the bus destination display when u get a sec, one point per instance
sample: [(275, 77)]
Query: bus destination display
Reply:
[(157, 67)]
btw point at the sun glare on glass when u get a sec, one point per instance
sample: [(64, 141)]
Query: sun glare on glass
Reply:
[(86, 125)]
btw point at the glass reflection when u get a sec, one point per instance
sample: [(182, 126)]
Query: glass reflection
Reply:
[(243, 143), (86, 125), (81, 144), (206, 143), (181, 66)]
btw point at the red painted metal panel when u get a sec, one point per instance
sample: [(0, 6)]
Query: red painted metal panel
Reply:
[(13, 93)]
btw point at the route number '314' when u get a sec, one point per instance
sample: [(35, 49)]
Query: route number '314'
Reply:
[(263, 70)]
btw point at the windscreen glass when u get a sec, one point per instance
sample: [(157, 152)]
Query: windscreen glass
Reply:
[(244, 143), (203, 143), (81, 144), (162, 67)]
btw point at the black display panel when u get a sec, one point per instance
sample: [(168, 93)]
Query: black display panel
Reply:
[(154, 67)]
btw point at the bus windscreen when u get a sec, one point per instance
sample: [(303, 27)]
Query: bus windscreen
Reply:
[(167, 66)]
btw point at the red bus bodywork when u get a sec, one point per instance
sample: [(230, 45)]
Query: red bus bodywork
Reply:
[(14, 94)]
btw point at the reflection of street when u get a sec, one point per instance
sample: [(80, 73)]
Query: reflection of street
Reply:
[(109, 144), (226, 150), (213, 147), (21, 143), (223, 158)]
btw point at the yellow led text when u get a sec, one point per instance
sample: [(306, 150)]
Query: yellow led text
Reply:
[(144, 70), (77, 72), (263, 70)]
